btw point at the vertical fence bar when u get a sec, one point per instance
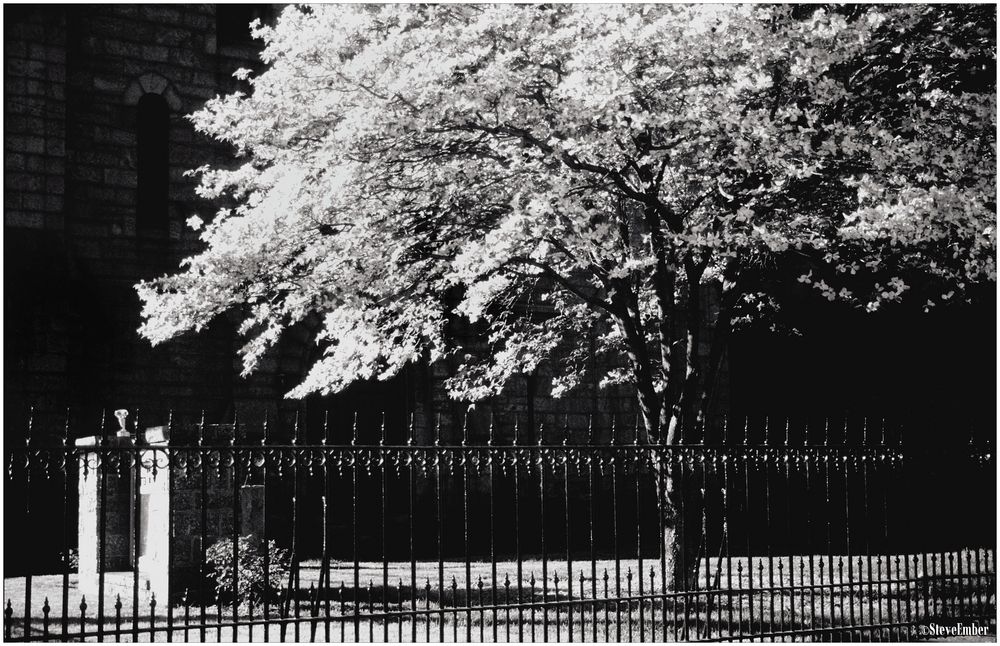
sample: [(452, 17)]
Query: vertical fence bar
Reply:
[(343, 612), (203, 574), (27, 518), (725, 545), (102, 465), (614, 531), (439, 494), (770, 543), (266, 593), (590, 530), (746, 513), (789, 543), (607, 616), (413, 553), (65, 527), (912, 590), (152, 616), (482, 613), (465, 528), (628, 603), (371, 610), (118, 617), (541, 515), (292, 594), (866, 512), (531, 612), (703, 463), (383, 460), (356, 608), (638, 532), (137, 532), (885, 590), (832, 463), (726, 514), (325, 564), (493, 456), (234, 474), (400, 612), (170, 522), (454, 605), (569, 552), (809, 458), (506, 604), (555, 586), (517, 532), (83, 617), (427, 609), (322, 584)]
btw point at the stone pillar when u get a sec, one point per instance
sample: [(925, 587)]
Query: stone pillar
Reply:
[(104, 488), (153, 540)]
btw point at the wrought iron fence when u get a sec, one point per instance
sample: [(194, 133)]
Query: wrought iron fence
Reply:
[(220, 532)]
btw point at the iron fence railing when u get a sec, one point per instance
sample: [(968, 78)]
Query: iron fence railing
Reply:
[(218, 534)]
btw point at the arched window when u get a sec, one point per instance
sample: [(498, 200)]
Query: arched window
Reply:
[(153, 164)]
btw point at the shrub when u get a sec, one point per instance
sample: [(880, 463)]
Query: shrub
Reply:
[(252, 581), (72, 558)]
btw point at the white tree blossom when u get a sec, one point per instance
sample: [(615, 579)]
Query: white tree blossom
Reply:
[(555, 171)]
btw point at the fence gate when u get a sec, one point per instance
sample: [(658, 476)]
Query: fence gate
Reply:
[(226, 533)]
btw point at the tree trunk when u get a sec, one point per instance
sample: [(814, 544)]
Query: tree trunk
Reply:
[(680, 502)]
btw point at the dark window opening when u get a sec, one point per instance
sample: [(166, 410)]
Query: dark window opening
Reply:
[(232, 22), (153, 164)]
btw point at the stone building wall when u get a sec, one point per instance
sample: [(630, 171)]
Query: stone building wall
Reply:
[(74, 241)]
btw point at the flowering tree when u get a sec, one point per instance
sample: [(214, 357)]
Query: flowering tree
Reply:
[(600, 162)]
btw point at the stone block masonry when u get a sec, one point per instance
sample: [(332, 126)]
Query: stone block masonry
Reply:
[(70, 203)]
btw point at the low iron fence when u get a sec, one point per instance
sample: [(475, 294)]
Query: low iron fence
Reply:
[(221, 532)]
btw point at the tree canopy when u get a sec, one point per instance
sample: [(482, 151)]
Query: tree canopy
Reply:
[(403, 164)]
